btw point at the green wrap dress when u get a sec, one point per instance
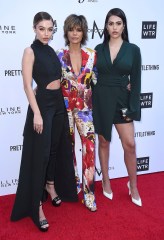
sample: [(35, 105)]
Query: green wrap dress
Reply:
[(110, 94)]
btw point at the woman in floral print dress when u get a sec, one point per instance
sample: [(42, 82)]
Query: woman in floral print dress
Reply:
[(77, 77)]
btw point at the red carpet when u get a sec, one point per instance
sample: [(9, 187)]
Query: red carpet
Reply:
[(118, 219)]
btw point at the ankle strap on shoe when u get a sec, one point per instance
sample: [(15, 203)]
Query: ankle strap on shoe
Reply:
[(48, 183)]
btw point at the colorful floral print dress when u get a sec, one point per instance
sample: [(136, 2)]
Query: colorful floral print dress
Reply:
[(77, 93)]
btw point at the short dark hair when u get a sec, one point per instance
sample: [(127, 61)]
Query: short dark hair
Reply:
[(72, 21), (119, 13), (40, 16)]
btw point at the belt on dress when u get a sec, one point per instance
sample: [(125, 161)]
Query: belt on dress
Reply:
[(113, 81)]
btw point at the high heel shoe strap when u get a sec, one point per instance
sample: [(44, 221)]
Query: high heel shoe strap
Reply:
[(48, 183)]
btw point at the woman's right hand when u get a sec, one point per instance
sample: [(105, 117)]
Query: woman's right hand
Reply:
[(128, 87), (38, 123)]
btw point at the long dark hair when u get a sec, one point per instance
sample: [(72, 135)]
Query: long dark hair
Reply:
[(40, 16), (119, 13)]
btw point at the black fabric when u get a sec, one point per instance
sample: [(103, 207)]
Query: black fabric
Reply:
[(45, 155), (47, 67), (35, 157)]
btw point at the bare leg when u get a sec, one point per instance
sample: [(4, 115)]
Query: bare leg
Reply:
[(126, 133), (103, 149)]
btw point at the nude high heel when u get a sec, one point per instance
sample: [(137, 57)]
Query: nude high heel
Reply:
[(135, 201)]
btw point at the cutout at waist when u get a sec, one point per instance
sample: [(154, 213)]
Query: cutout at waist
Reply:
[(54, 84)]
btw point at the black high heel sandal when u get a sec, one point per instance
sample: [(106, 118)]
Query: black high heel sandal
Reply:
[(55, 201), (43, 223)]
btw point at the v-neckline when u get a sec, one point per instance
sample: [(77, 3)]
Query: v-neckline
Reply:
[(116, 55), (75, 75)]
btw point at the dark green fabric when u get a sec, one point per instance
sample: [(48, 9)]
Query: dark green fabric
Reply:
[(111, 88)]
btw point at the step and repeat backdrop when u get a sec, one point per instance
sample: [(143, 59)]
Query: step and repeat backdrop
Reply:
[(145, 25)]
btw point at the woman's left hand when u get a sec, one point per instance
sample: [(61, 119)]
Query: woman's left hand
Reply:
[(127, 118)]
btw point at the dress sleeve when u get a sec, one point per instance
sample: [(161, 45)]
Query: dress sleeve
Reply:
[(134, 111)]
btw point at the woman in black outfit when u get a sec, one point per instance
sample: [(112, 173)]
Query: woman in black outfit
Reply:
[(46, 132)]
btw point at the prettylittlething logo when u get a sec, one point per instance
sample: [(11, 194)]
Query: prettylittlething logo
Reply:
[(16, 148), (149, 67), (144, 134), (13, 73)]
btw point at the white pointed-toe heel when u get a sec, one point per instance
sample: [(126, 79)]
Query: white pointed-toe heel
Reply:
[(107, 195), (135, 201)]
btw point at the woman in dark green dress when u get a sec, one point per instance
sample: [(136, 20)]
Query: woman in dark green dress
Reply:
[(118, 64)]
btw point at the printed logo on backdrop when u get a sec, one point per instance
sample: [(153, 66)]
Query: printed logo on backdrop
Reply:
[(16, 148), (7, 29), (149, 29), (55, 29), (149, 67), (144, 134), (8, 183), (99, 172), (96, 30), (146, 100), (142, 164), (13, 73), (10, 110), (81, 1)]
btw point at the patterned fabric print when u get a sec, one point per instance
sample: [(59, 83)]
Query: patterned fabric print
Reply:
[(84, 123), (78, 100), (77, 89), (71, 126)]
